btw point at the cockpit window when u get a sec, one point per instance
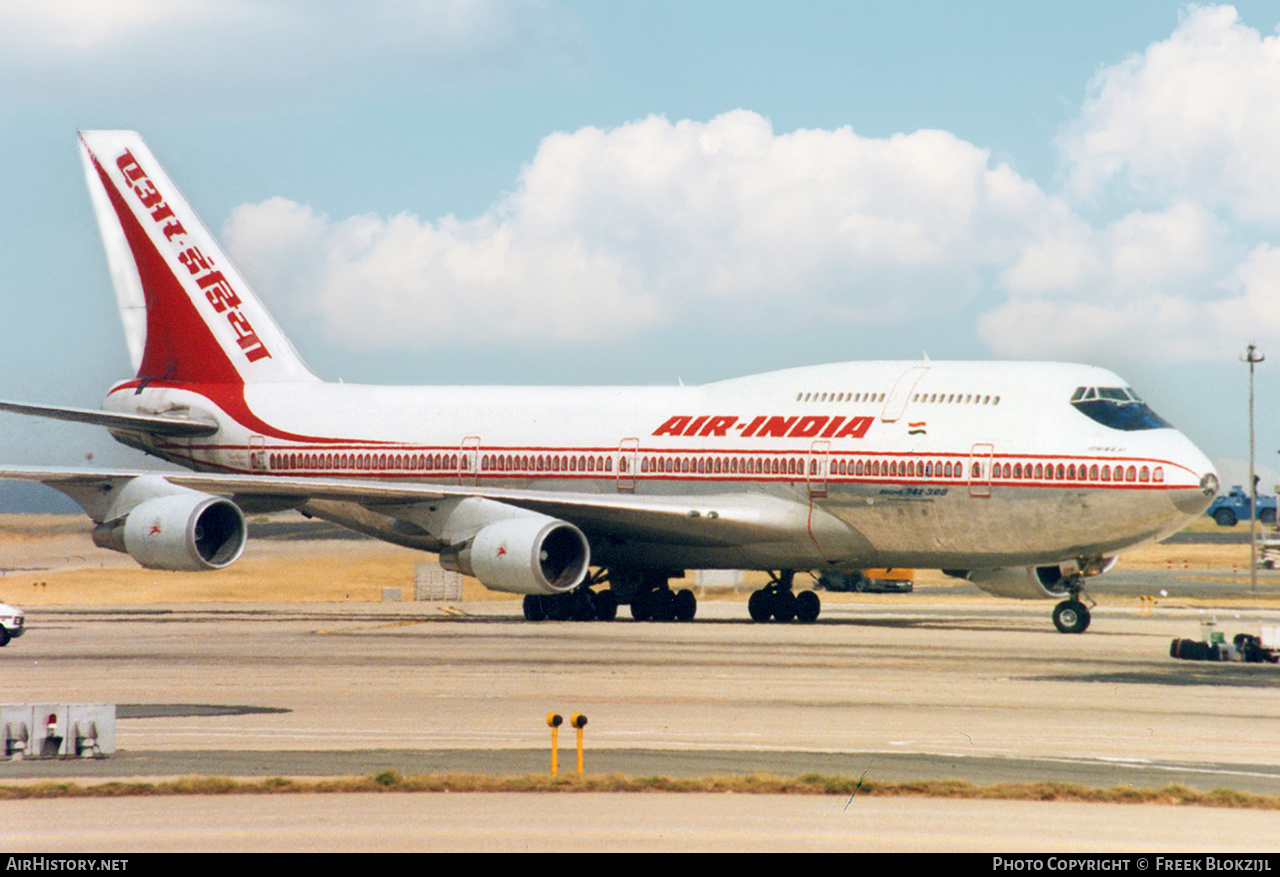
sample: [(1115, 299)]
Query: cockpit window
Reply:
[(1118, 408)]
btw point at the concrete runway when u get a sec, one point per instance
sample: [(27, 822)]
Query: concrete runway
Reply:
[(910, 689)]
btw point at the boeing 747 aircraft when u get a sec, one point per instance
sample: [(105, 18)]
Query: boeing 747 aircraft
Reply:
[(1025, 478)]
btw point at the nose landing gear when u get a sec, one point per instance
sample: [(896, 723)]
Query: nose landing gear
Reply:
[(1071, 615)]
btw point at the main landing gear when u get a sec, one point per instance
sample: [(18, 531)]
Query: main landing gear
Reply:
[(778, 602), (579, 605), (1071, 615), (649, 594)]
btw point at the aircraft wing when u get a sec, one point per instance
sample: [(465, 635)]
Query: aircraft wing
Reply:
[(170, 426), (709, 520)]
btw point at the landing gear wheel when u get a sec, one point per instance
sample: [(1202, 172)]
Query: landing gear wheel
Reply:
[(559, 607), (784, 606), (1071, 616), (640, 610), (760, 605), (584, 606), (533, 608), (808, 605), (662, 605), (686, 605), (606, 606)]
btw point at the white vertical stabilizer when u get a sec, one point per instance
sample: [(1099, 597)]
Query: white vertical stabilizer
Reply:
[(124, 272)]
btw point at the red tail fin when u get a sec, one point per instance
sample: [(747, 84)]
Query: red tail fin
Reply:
[(202, 323)]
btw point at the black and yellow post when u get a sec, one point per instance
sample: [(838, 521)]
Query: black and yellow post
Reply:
[(554, 721), (579, 721)]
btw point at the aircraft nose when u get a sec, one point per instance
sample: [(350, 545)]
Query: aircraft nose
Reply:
[(1193, 502)]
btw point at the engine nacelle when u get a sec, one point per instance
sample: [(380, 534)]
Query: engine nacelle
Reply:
[(1024, 583), (528, 554), (185, 531)]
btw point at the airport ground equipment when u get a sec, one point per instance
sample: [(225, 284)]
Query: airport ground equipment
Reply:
[(870, 581), (1244, 647), (52, 730), (1233, 506), (12, 623)]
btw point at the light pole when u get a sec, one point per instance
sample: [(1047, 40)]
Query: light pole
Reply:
[(1252, 357)]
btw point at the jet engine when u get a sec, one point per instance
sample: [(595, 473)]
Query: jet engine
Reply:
[(527, 554), (183, 530), (1024, 583)]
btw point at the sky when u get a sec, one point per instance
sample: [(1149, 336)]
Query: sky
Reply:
[(541, 192)]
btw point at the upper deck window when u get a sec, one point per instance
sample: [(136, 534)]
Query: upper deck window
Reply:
[(1118, 408)]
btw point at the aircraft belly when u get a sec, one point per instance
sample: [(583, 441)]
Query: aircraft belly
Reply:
[(942, 528)]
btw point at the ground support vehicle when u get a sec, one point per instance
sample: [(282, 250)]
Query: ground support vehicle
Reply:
[(12, 623), (870, 581), (1233, 506), (1243, 647)]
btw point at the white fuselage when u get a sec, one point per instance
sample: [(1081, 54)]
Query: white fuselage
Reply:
[(919, 464)]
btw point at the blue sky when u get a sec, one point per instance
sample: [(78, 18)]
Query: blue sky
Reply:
[(526, 192)]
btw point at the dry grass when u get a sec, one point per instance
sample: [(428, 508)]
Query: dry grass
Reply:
[(755, 784)]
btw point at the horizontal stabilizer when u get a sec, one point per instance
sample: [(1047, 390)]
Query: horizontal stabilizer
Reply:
[(172, 426)]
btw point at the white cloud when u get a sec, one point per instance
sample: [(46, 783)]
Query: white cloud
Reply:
[(656, 224), (241, 52), (1189, 126), (1194, 116), (1162, 284), (620, 231)]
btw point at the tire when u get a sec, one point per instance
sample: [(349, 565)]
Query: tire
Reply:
[(533, 608), (1225, 517), (584, 606), (559, 607), (606, 606), (760, 606), (808, 605), (664, 605), (640, 606), (686, 605), (1071, 616), (784, 606), (1267, 516)]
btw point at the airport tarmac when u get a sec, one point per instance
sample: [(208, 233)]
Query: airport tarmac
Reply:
[(908, 689)]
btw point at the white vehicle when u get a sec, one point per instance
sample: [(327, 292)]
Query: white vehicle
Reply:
[(12, 623), (1023, 477)]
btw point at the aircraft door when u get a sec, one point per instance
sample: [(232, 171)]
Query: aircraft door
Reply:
[(628, 453), (469, 461), (257, 454), (896, 403), (981, 456), (816, 468)]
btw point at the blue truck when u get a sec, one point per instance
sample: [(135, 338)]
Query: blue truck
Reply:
[(1231, 507)]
